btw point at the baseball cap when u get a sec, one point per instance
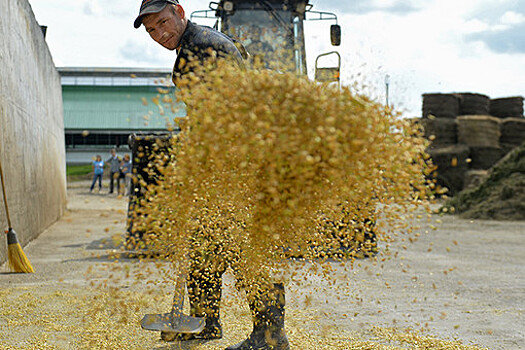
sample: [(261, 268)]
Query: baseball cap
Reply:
[(152, 6)]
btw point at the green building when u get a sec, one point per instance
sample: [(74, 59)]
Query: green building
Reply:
[(103, 106)]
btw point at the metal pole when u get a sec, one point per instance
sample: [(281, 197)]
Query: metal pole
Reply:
[(387, 84)]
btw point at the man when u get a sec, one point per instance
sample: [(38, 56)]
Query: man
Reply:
[(125, 173), (114, 169), (166, 23)]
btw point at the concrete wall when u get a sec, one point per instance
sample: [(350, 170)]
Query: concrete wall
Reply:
[(32, 148)]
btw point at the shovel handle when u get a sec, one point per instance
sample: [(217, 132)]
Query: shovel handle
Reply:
[(178, 299)]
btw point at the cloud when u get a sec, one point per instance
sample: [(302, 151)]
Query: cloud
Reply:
[(511, 17), (397, 7), (504, 26), (115, 8), (142, 53), (507, 40), (92, 8), (492, 12)]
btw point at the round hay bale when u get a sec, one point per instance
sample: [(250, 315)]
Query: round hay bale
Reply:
[(473, 104), (440, 105), (478, 130), (484, 157), (508, 107), (452, 164), (507, 148), (512, 131), (473, 178), (441, 132)]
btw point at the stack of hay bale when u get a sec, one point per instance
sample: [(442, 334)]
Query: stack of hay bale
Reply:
[(439, 123), (512, 127), (469, 133)]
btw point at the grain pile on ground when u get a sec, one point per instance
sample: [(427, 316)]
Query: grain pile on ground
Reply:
[(501, 196), (74, 319)]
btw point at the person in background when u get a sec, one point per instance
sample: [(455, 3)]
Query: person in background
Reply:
[(98, 170), (114, 169), (125, 174)]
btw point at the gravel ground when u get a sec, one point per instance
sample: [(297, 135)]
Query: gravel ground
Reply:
[(458, 286)]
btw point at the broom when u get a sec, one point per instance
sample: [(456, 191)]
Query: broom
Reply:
[(16, 258)]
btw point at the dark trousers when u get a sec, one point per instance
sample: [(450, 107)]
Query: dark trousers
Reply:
[(205, 275), (114, 176), (95, 177), (208, 262), (204, 291)]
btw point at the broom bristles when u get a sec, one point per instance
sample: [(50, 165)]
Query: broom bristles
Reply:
[(17, 260)]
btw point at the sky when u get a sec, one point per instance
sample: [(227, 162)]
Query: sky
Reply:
[(422, 46)]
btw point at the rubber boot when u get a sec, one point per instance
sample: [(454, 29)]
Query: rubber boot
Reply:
[(268, 323), (205, 291)]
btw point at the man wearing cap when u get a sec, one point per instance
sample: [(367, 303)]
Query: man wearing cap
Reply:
[(166, 23)]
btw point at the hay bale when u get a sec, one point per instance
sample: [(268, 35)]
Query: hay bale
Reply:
[(441, 132), (452, 164), (501, 196), (512, 131), (506, 148), (440, 105), (478, 131), (508, 107), (474, 178), (473, 104), (485, 157)]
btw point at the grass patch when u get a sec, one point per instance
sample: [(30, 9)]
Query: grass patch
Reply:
[(78, 170)]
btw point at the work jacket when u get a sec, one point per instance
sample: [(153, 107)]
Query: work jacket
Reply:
[(195, 46)]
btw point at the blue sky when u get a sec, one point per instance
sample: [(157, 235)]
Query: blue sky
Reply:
[(424, 46)]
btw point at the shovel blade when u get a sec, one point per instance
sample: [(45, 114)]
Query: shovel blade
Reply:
[(163, 322)]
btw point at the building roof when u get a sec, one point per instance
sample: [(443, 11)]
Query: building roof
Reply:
[(113, 72), (114, 76)]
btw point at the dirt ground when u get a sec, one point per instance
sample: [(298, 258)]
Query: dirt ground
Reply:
[(458, 286)]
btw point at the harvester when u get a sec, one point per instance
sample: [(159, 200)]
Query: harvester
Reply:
[(272, 31)]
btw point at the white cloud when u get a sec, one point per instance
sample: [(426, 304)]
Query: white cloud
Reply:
[(511, 18), (92, 7), (140, 53)]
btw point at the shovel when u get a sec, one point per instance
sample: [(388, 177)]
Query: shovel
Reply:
[(174, 321)]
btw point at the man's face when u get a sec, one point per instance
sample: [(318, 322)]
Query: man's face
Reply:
[(167, 26)]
